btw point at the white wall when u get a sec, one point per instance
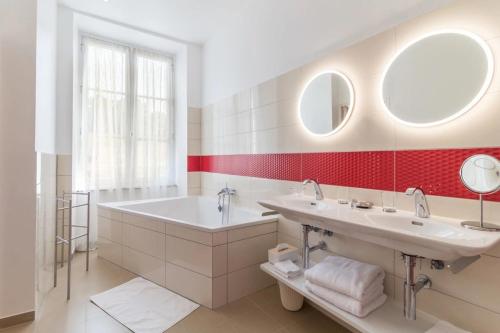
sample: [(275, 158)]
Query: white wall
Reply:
[(17, 156), (271, 38), (46, 51), (65, 45)]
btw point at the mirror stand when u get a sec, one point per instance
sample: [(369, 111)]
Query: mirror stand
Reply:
[(481, 225)]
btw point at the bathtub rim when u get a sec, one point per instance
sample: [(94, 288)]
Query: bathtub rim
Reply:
[(117, 206)]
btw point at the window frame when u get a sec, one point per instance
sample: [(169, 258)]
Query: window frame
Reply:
[(131, 86)]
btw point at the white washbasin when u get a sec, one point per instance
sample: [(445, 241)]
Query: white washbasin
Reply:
[(433, 238), (430, 227), (305, 202)]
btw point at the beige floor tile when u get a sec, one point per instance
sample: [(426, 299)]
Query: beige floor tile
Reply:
[(258, 313), (306, 320)]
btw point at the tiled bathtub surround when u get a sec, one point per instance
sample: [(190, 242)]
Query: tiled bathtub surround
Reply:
[(211, 268), (194, 148), (261, 126), (435, 171)]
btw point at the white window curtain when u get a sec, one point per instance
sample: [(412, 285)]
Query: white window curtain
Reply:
[(152, 135), (104, 138), (125, 146)]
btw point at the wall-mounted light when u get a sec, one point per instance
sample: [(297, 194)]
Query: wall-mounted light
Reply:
[(323, 103), (436, 78)]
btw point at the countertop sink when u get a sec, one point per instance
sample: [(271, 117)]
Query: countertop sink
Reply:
[(434, 238)]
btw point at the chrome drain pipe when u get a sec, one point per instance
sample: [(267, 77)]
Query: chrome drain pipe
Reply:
[(306, 249), (412, 286)]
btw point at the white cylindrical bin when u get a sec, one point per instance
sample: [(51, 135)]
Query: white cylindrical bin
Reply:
[(290, 299)]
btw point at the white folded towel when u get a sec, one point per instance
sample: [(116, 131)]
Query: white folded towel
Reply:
[(345, 302), (287, 268), (445, 327), (346, 276)]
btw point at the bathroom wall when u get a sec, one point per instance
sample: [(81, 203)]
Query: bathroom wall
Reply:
[(194, 149), (46, 61), (17, 157), (253, 141), (245, 51), (45, 224)]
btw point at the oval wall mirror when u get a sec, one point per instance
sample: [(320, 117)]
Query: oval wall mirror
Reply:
[(481, 174), (437, 78), (326, 103)]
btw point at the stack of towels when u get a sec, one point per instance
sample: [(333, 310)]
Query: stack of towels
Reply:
[(350, 285)]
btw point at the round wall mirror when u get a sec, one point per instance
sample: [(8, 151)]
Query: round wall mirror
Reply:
[(481, 174), (437, 78), (326, 103)]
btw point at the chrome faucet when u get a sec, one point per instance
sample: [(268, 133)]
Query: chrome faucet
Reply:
[(226, 191), (317, 188), (421, 206)]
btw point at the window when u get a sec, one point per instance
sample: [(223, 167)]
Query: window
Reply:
[(126, 120)]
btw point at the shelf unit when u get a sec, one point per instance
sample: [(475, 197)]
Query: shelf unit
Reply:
[(386, 319)]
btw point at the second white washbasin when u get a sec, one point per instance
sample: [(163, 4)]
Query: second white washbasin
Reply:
[(434, 238), (430, 227)]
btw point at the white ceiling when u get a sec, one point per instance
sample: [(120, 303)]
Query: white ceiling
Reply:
[(199, 20)]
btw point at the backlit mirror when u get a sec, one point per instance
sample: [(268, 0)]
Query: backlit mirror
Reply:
[(481, 174), (437, 78), (326, 103)]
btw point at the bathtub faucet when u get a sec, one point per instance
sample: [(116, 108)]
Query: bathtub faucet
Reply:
[(226, 191)]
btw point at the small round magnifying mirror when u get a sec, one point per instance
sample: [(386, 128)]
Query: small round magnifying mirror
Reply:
[(481, 174)]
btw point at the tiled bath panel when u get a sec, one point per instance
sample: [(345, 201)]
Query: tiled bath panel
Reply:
[(210, 268), (262, 124)]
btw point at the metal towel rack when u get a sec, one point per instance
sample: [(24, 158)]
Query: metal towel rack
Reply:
[(65, 203)]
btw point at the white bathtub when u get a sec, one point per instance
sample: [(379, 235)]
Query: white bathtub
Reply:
[(182, 244), (196, 212)]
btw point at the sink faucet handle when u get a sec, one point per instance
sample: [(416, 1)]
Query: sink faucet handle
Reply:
[(421, 205)]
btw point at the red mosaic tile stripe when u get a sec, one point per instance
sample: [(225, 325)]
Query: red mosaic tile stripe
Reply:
[(193, 163), (436, 171), (373, 170), (276, 166)]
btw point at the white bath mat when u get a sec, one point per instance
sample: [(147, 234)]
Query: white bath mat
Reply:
[(144, 307)]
